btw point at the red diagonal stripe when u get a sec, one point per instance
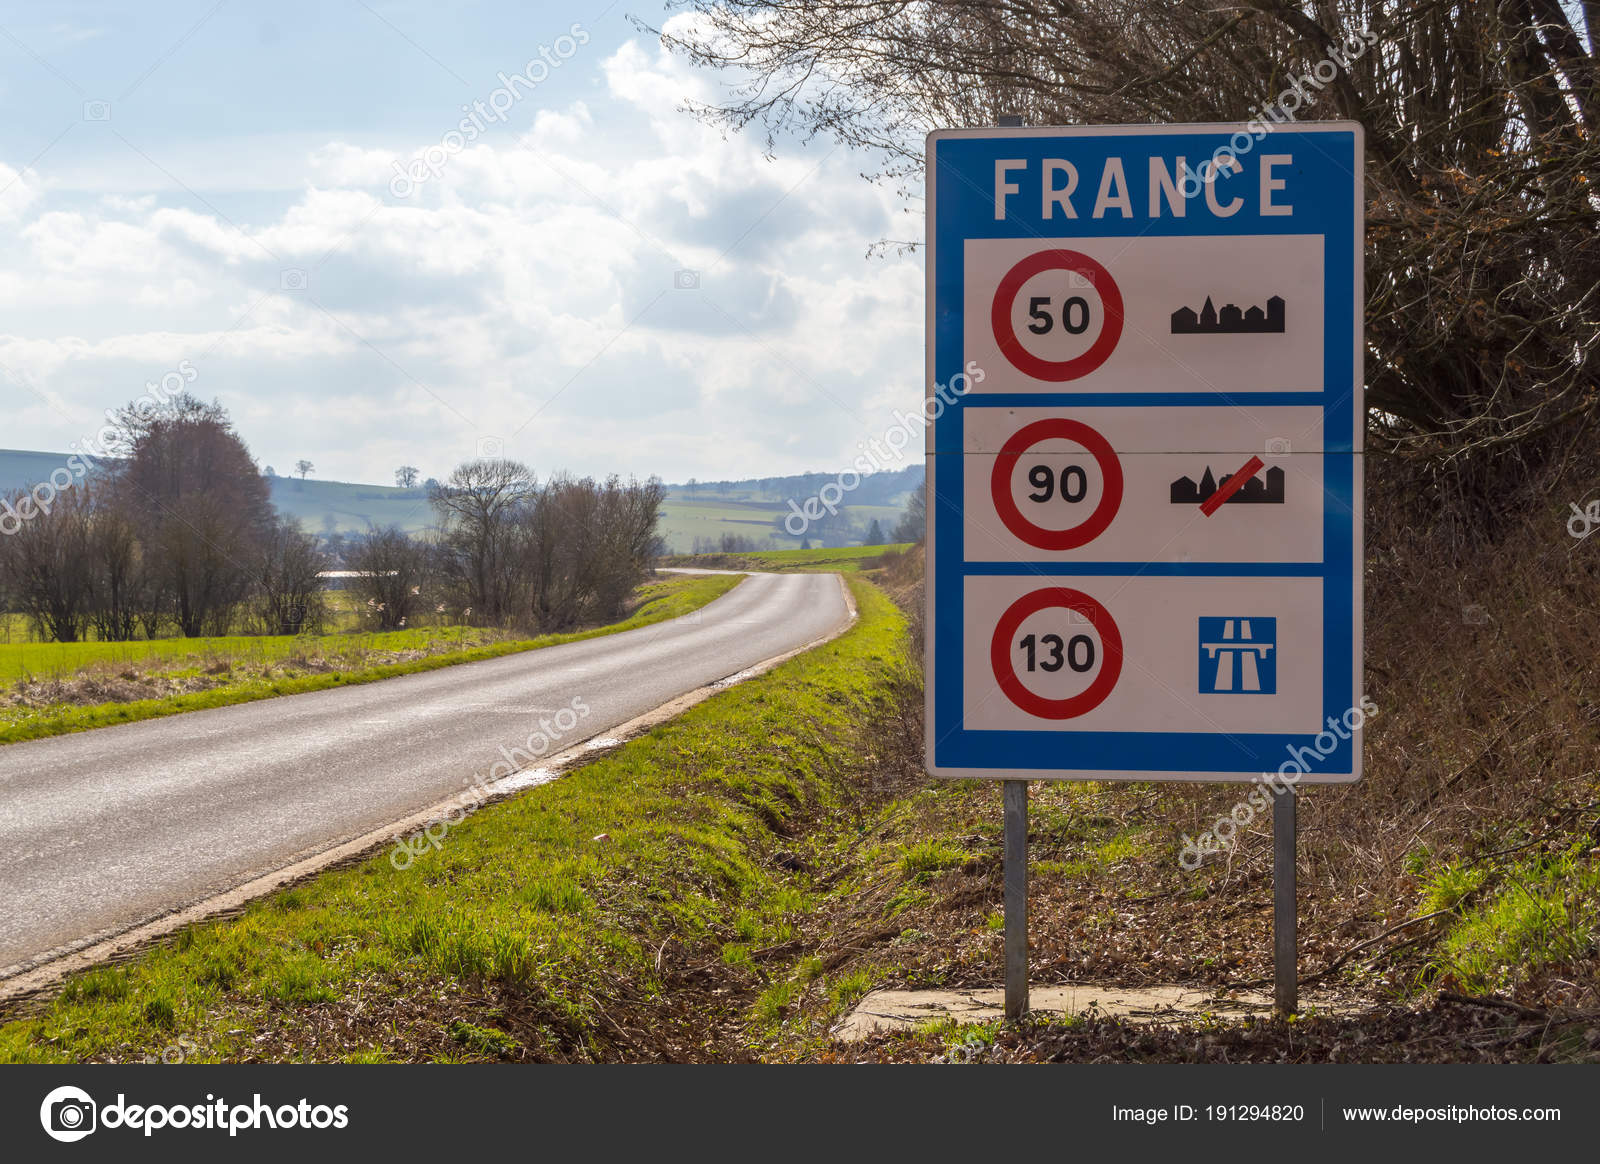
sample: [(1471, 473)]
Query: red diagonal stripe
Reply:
[(1235, 483)]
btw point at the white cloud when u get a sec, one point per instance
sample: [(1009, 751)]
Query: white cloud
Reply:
[(18, 191), (528, 289)]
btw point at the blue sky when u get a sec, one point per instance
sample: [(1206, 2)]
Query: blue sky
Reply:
[(221, 183)]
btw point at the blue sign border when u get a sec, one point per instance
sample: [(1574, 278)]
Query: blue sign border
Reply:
[(1325, 190)]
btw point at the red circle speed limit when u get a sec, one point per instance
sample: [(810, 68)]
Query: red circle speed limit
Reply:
[(1056, 428), (1078, 653), (1075, 315)]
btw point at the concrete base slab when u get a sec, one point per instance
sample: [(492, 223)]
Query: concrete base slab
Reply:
[(893, 1010)]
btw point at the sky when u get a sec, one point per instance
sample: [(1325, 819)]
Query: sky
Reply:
[(281, 199)]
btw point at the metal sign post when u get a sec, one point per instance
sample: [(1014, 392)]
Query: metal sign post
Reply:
[(1144, 395), (1016, 876), (1285, 921)]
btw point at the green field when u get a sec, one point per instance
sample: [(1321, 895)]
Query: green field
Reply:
[(89, 685), (327, 507), (756, 508), (683, 519)]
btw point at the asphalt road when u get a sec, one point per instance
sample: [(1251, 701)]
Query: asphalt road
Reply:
[(104, 830)]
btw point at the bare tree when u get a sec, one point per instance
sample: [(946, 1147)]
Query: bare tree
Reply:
[(392, 571), (48, 565), (200, 508), (124, 587), (913, 524), (1483, 249), (586, 545), (406, 476), (289, 596), (553, 557), (304, 468), (477, 510)]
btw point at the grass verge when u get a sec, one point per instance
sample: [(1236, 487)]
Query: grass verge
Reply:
[(242, 670)]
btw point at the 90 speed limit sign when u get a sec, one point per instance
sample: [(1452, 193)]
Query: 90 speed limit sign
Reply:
[(1145, 519), (1056, 485)]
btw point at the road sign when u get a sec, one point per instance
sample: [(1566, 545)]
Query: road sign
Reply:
[(1144, 519)]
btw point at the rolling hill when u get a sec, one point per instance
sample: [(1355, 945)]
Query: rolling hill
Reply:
[(322, 506), (328, 507), (756, 509)]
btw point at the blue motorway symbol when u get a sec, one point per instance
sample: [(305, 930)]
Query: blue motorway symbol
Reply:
[(1238, 656)]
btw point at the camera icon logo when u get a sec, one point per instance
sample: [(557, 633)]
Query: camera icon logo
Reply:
[(68, 1114), (292, 279), (491, 446), (1278, 447), (97, 111), (686, 280), (1475, 616)]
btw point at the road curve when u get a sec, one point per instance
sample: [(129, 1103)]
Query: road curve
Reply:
[(104, 830)]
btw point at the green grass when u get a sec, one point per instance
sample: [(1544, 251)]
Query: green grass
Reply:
[(687, 813), (927, 858), (20, 661), (1544, 913), (658, 601), (848, 989), (1452, 884), (1123, 847), (484, 1041), (846, 559), (683, 519)]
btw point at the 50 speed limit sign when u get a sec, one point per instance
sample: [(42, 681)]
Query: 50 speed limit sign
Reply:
[(1144, 520)]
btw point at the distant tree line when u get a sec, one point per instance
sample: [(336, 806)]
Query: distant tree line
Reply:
[(730, 543), (178, 535), (514, 551)]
